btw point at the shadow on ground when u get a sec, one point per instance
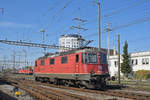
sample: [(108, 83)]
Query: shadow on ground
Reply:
[(4, 96), (114, 87)]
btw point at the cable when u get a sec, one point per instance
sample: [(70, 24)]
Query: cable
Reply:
[(131, 6), (138, 21), (127, 2), (139, 39), (57, 13)]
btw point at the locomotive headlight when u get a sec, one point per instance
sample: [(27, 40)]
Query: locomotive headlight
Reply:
[(100, 68)]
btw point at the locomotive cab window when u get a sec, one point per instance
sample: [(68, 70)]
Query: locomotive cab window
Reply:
[(77, 58), (52, 61), (92, 58), (64, 60), (42, 62)]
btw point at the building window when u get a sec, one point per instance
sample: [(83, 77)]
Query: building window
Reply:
[(116, 63), (145, 61), (42, 62), (52, 61), (134, 61), (64, 60)]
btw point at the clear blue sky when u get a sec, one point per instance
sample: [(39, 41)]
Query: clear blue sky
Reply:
[(23, 20)]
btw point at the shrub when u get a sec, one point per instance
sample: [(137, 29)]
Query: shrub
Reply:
[(142, 74)]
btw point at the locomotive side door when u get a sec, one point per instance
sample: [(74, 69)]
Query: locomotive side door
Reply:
[(77, 65)]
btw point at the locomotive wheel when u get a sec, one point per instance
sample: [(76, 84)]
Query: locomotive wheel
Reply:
[(82, 86), (36, 79), (66, 84), (56, 81)]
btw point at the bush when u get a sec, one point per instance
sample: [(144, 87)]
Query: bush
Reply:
[(142, 74)]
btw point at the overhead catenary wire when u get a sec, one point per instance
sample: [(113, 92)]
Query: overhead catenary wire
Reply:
[(57, 13), (123, 25), (121, 4), (54, 16), (138, 21), (126, 8)]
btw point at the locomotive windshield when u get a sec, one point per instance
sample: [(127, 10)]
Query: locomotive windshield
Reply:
[(92, 58), (89, 58)]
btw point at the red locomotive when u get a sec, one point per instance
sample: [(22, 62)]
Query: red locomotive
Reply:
[(84, 68), (27, 71)]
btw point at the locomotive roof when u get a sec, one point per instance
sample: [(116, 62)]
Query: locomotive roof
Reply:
[(87, 49)]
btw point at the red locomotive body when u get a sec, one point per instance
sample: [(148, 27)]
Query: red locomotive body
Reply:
[(84, 68)]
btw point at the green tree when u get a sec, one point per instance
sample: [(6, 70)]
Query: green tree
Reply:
[(125, 65)]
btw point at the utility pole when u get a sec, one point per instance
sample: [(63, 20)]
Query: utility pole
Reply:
[(4, 62), (25, 57), (2, 10), (118, 58), (108, 42), (14, 59), (99, 29), (79, 26), (19, 55), (43, 31)]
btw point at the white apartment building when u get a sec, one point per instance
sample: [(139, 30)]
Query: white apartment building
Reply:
[(69, 41), (139, 61)]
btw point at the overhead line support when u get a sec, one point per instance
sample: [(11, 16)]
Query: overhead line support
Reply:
[(99, 29)]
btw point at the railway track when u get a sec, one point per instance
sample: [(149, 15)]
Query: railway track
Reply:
[(44, 93), (122, 94), (61, 95)]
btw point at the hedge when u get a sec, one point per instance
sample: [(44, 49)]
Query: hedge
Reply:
[(142, 74)]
